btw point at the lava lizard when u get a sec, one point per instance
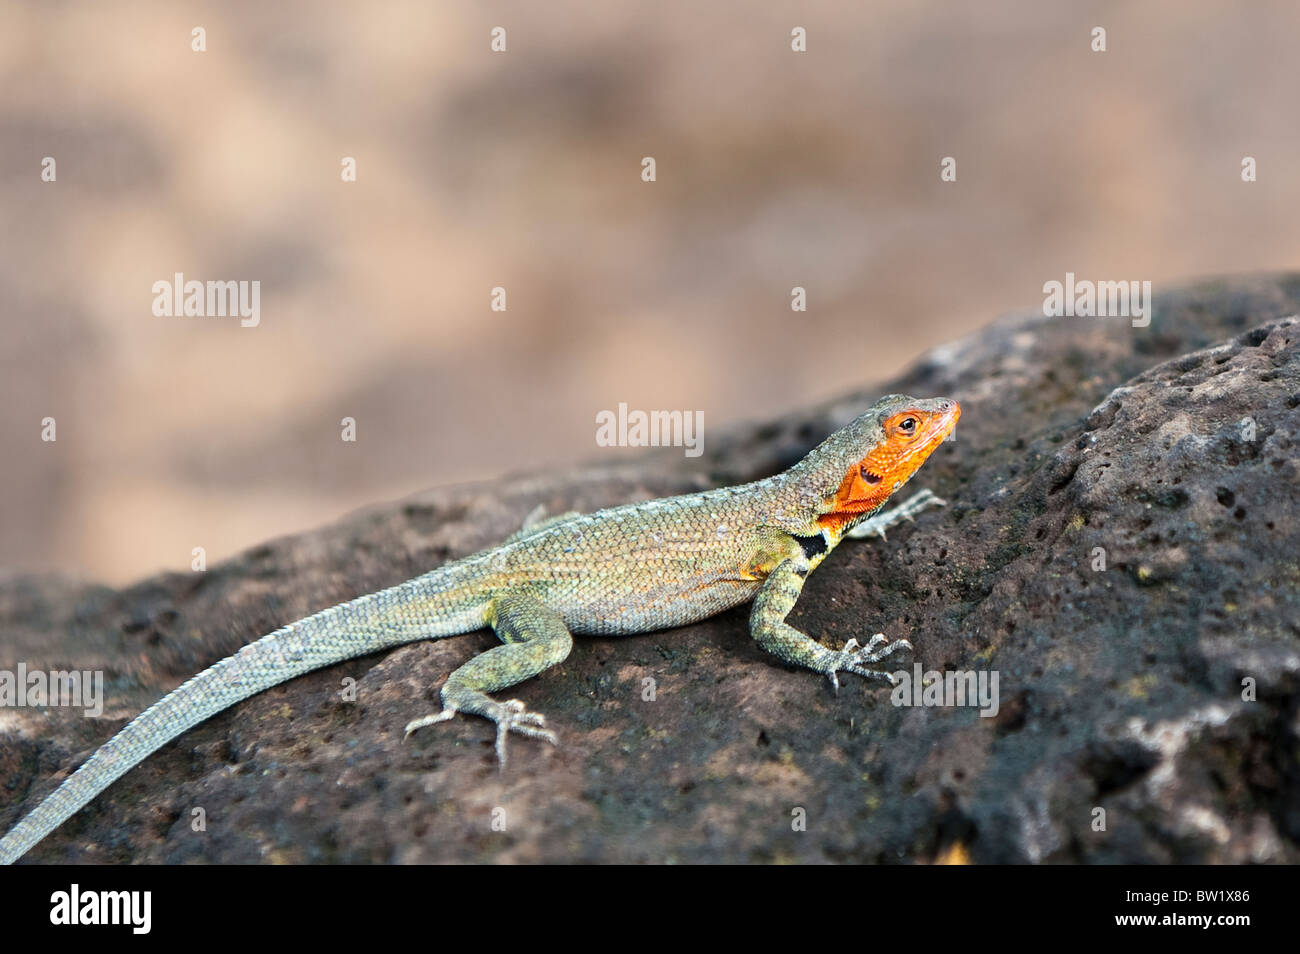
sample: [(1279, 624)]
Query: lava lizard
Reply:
[(629, 569)]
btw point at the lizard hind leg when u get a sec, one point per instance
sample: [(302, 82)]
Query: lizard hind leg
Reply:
[(534, 638)]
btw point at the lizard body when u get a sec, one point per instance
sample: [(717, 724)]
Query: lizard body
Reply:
[(629, 569)]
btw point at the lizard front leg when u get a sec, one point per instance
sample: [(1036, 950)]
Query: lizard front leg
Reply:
[(535, 638), (767, 625), (877, 524)]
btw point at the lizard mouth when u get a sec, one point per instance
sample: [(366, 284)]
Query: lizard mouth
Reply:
[(940, 425), (934, 431)]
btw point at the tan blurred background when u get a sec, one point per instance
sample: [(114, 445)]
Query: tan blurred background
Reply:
[(522, 169)]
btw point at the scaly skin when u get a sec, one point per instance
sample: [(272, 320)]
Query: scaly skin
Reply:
[(630, 569)]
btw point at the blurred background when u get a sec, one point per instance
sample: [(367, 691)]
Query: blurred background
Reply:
[(523, 169)]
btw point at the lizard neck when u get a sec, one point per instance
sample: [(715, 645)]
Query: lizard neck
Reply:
[(794, 503)]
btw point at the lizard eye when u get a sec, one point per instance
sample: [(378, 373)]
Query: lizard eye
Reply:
[(907, 425)]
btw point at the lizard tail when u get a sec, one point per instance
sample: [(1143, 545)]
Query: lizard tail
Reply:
[(418, 609)]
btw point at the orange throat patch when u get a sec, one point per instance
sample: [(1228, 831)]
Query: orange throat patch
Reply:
[(872, 480)]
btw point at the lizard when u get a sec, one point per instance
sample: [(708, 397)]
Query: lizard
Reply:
[(630, 569)]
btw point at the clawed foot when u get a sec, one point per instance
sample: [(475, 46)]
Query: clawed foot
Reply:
[(509, 716), (513, 717), (876, 526), (855, 659)]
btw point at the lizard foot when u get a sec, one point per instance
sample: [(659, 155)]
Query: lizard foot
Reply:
[(509, 716), (513, 717), (855, 659), (875, 526)]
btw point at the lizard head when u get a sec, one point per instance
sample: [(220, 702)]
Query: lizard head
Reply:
[(862, 465)]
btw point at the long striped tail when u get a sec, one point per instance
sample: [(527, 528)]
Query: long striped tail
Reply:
[(423, 608)]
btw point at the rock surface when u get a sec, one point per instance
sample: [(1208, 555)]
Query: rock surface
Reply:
[(1122, 546)]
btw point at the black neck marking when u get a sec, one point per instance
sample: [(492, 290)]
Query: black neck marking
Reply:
[(813, 546)]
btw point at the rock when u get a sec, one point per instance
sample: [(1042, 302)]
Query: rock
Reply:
[(1122, 546)]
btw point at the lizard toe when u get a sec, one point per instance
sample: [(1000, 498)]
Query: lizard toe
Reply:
[(415, 724)]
